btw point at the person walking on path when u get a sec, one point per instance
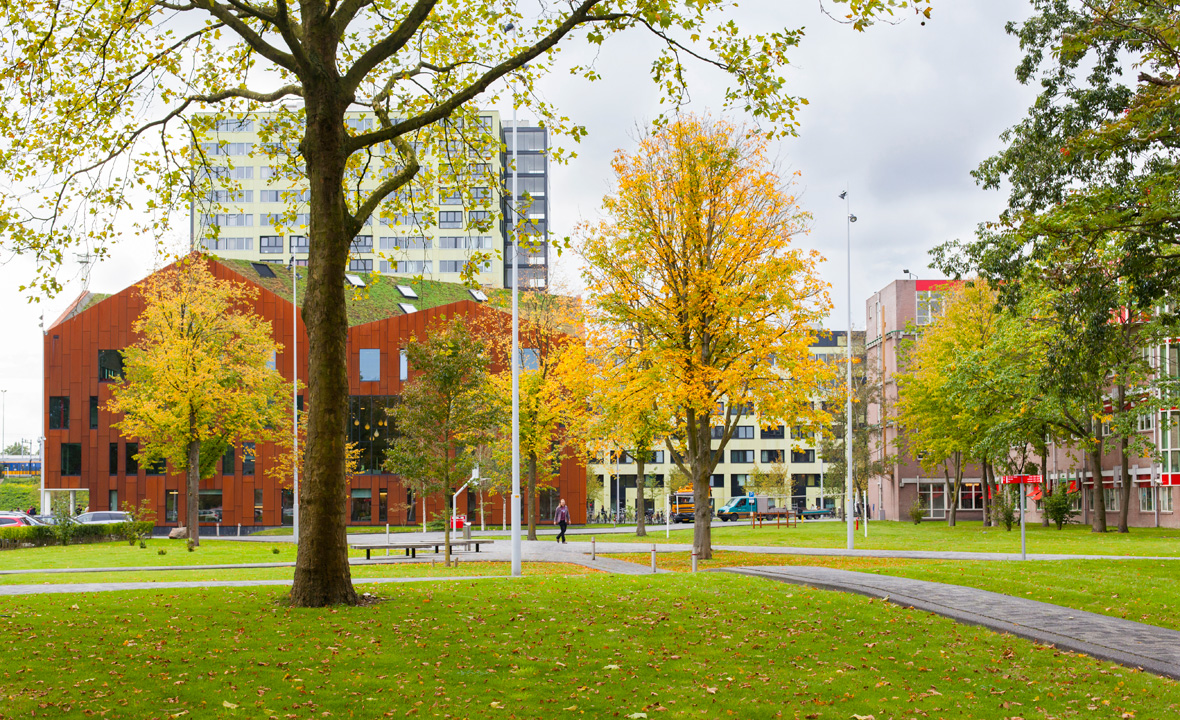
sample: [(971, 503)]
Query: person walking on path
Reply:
[(562, 518)]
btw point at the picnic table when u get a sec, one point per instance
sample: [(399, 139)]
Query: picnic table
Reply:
[(412, 548)]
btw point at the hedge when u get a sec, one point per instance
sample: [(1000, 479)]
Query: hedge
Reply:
[(42, 535)]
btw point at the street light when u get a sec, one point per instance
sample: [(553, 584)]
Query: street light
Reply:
[(294, 403), (848, 506), (3, 421), (507, 28)]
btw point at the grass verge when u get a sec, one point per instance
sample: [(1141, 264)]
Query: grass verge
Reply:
[(680, 645)]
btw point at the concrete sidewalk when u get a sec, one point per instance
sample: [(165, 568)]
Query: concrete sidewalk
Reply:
[(1151, 648)]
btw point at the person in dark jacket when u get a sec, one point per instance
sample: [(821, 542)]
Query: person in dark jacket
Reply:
[(562, 518)]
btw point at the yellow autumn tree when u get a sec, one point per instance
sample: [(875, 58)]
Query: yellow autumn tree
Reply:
[(201, 374), (697, 255), (551, 406)]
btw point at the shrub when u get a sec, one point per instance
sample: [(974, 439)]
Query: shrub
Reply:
[(438, 523), (275, 551), (1058, 505), (161, 551), (41, 535), (143, 521), (1004, 509), (917, 510)]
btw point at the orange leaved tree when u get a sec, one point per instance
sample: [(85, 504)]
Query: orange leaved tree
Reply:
[(697, 256), (200, 375)]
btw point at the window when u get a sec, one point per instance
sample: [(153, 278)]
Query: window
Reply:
[(361, 243), (360, 265), (59, 413), (370, 428), (298, 243), (370, 365), (716, 433), (228, 196), (113, 459), (741, 456), (657, 457), (1110, 497), (286, 506), (362, 505), (717, 481), (230, 220), (971, 496), (1146, 422), (772, 456), (270, 244), (227, 462), (233, 125), (229, 243), (1146, 499), (1166, 499), (240, 148), (113, 499), (933, 495), (803, 456), (450, 267), (479, 219), (171, 505), (737, 484), (533, 140), (450, 196), (158, 466), (774, 433), (743, 432), (452, 219), (257, 506), (71, 458), (530, 359), (209, 506), (247, 458), (93, 412), (929, 306), (409, 242), (408, 267), (130, 462), (110, 365)]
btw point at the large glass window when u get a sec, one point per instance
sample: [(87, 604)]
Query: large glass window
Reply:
[(933, 495), (1146, 499), (257, 506), (971, 496), (93, 412), (362, 505), (113, 459), (171, 505), (71, 458), (370, 427), (1166, 499), (403, 366), (287, 506), (59, 413), (157, 467), (741, 456), (209, 506), (929, 306), (1110, 497), (227, 462), (370, 365), (110, 365), (130, 462), (247, 458), (270, 244), (743, 432), (772, 456), (450, 219), (803, 456)]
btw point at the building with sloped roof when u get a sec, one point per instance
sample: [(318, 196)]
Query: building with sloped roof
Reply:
[(84, 452)]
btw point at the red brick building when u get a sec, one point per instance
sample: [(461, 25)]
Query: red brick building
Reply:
[(84, 452)]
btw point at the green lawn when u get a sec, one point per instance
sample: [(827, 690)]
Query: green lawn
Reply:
[(120, 554), (607, 646), (359, 572), (965, 537)]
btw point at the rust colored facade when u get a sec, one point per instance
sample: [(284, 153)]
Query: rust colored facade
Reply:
[(84, 452)]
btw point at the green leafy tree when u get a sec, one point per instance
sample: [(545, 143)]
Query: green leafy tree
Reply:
[(141, 73), (446, 412), (200, 377)]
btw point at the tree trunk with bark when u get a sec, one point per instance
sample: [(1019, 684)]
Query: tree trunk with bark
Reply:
[(1098, 521), (640, 530), (322, 574), (702, 528), (984, 490), (1125, 466), (192, 492), (532, 509), (953, 500), (1044, 484)]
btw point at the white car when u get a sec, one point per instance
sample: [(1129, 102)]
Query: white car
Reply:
[(102, 517)]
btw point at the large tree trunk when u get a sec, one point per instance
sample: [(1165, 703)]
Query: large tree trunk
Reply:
[(322, 575), (640, 530), (1098, 522), (192, 492), (953, 500), (985, 488), (1044, 483), (1124, 464), (532, 510), (702, 519), (447, 513)]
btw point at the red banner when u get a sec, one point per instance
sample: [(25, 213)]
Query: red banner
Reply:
[(1020, 479)]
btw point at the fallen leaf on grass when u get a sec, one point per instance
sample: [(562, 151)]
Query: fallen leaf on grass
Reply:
[(610, 667), (228, 704), (637, 716), (711, 690), (497, 705), (863, 717)]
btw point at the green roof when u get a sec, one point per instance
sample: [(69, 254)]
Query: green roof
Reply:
[(379, 298)]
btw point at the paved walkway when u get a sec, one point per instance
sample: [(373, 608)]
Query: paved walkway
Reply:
[(1133, 644)]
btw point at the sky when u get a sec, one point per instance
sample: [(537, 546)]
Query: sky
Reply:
[(898, 115)]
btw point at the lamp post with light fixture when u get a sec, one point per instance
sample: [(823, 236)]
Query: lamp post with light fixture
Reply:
[(849, 507), (511, 210)]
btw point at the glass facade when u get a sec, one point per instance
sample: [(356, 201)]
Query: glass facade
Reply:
[(370, 427), (209, 506)]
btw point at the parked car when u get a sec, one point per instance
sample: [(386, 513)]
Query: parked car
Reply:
[(45, 519), (102, 517), (17, 519)]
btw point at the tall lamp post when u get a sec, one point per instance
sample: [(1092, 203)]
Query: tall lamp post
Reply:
[(511, 210), (848, 503), (3, 421), (294, 401)]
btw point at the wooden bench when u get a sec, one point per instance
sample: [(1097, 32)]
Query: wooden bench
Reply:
[(412, 548)]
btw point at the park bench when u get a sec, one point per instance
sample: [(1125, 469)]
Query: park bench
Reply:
[(412, 548)]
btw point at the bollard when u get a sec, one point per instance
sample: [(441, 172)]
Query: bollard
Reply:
[(386, 535), (432, 562), (694, 559), (653, 557), (592, 555), (239, 529), (218, 529)]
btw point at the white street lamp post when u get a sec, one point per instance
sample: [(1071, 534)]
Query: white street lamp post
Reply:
[(509, 27), (849, 508), (294, 402)]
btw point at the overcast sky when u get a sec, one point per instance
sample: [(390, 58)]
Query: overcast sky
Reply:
[(899, 115)]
